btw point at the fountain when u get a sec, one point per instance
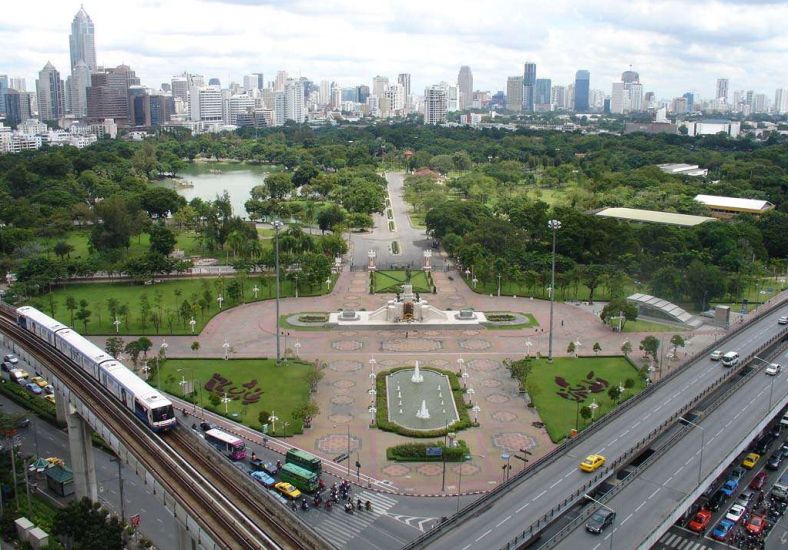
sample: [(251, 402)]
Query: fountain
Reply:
[(423, 413), (417, 377)]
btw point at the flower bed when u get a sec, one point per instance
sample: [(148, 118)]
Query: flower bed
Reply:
[(417, 452), (313, 318)]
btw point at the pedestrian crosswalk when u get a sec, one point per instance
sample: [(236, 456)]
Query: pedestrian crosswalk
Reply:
[(339, 527), (679, 542)]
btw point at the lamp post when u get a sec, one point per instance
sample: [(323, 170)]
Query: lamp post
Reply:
[(474, 281), (162, 353), (528, 345), (771, 386), (256, 291), (192, 324), (593, 406), (467, 272), (120, 489), (220, 300), (373, 411), (702, 438), (297, 347), (470, 393), (277, 225), (225, 400), (506, 467), (553, 225), (226, 347), (476, 410), (273, 418), (607, 507), (116, 322)]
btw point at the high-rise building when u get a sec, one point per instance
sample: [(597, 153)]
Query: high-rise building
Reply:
[(82, 41), (279, 83), (205, 103), (379, 85), (760, 104), (180, 88), (363, 93), (396, 97), (18, 106), (452, 97), (529, 85), (253, 81), (109, 98), (295, 108), (514, 93), (50, 94), (79, 83), (3, 91), (558, 97), (781, 101), (435, 105), (690, 97), (214, 82), (465, 84), (17, 84), (542, 99), (722, 89), (404, 79), (619, 99), (582, 88), (324, 95)]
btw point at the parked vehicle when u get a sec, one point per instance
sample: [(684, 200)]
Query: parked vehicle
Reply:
[(735, 513), (729, 487), (34, 389), (716, 500), (755, 524), (780, 489), (758, 481), (11, 358), (266, 480), (40, 382), (750, 460), (775, 460)]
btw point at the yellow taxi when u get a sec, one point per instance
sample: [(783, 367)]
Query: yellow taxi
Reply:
[(287, 490), (40, 382), (50, 398), (592, 462), (750, 460)]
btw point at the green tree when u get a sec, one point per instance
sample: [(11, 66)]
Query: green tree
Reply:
[(704, 282), (62, 249), (678, 342), (278, 185), (115, 224), (626, 348), (306, 412), (145, 345), (86, 525), (586, 413), (263, 417), (83, 314), (304, 174), (614, 392), (330, 217), (650, 346), (114, 345), (195, 346), (71, 306), (615, 308), (162, 240), (597, 348), (571, 348)]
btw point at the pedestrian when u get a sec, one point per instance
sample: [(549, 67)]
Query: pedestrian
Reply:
[(406, 335), (562, 322)]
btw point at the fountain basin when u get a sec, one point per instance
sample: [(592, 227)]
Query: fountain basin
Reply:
[(434, 389)]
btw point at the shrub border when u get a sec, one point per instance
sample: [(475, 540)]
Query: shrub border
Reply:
[(451, 454)]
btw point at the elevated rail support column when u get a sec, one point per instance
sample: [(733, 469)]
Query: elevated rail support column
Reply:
[(82, 462), (61, 407), (185, 540)]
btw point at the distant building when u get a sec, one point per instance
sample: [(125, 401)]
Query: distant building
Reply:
[(653, 216), (725, 207), (514, 93), (582, 87), (542, 99), (107, 96), (50, 94), (529, 85), (82, 41), (465, 84), (684, 170), (18, 106), (558, 97), (713, 126), (295, 108), (435, 105), (651, 128), (722, 90), (404, 79), (781, 101), (205, 104), (80, 82)]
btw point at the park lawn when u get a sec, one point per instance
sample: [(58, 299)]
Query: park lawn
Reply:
[(640, 325), (284, 389), (559, 413), (191, 290), (389, 282), (568, 294), (417, 220), (187, 241)]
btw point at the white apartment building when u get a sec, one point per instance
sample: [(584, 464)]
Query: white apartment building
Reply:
[(435, 104), (781, 101), (237, 104), (205, 104), (294, 101)]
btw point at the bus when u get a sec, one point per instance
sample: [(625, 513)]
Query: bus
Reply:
[(300, 477), (225, 443), (305, 460)]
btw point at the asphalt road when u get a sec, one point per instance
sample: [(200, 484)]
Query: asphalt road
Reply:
[(528, 500), (664, 486)]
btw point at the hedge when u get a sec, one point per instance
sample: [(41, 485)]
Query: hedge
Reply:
[(417, 452), (313, 318), (394, 247), (382, 410)]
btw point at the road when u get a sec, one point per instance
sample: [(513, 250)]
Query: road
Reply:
[(412, 241), (528, 500), (665, 485)]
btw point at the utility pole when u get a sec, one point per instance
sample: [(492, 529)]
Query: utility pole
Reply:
[(120, 489), (277, 226)]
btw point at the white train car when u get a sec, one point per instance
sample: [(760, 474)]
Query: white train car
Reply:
[(83, 352), (43, 326)]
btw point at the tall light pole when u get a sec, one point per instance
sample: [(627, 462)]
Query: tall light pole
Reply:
[(771, 387), (277, 225), (609, 508), (554, 225), (702, 438)]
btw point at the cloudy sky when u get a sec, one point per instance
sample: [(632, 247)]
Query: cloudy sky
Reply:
[(676, 46)]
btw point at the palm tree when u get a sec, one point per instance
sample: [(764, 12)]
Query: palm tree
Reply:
[(236, 242)]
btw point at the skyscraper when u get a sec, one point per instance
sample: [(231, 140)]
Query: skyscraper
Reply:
[(542, 99), (49, 90), (17, 106), (781, 101), (81, 41), (379, 85), (435, 105), (514, 93), (80, 81), (294, 100), (3, 91), (404, 79), (529, 85), (690, 97), (465, 84), (582, 87), (722, 90)]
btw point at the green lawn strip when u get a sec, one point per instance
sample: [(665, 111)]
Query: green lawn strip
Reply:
[(381, 416), (417, 452), (187, 241), (283, 323), (190, 290), (284, 388), (42, 513), (640, 325), (391, 281), (568, 294), (417, 220), (558, 413)]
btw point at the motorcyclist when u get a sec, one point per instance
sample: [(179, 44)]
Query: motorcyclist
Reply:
[(304, 505), (369, 505), (358, 504)]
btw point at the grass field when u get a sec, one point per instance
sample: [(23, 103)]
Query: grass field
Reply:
[(570, 293), (165, 298), (284, 388), (559, 413), (389, 282), (648, 326)]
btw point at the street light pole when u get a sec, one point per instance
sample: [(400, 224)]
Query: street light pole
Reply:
[(702, 438), (609, 508), (277, 226), (554, 225), (120, 489)]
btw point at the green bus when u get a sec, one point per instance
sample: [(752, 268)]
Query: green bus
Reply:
[(305, 460), (303, 479)]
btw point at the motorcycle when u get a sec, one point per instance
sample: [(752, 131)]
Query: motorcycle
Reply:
[(349, 507), (304, 505), (328, 505), (369, 506), (358, 504)]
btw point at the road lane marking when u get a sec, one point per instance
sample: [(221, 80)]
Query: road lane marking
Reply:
[(487, 532), (504, 521), (652, 495), (640, 506), (556, 483), (625, 519), (624, 433), (540, 495), (521, 508)]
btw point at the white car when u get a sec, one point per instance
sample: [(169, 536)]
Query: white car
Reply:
[(735, 513), (783, 320), (773, 369), (716, 355)]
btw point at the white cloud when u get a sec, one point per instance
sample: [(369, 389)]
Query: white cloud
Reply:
[(675, 45)]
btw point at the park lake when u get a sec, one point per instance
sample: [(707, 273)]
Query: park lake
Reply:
[(206, 180)]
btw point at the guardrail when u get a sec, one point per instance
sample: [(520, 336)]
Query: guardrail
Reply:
[(567, 445)]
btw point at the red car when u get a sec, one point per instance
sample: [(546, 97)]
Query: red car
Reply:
[(755, 524), (700, 521), (757, 482)]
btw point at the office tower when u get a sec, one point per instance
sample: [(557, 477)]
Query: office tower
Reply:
[(214, 82), (161, 107), (722, 90), (17, 84), (569, 100), (558, 97), (336, 98), (324, 95), (781, 101), (195, 80), (279, 83), (582, 88), (350, 94), (395, 94), (452, 97), (465, 84), (619, 99), (294, 101), (18, 106), (78, 86), (542, 99), (529, 83), (363, 93), (107, 101), (690, 97), (81, 41), (379, 85), (238, 104), (435, 104), (205, 103), (404, 79), (166, 87), (180, 88), (635, 96), (50, 93), (514, 93), (372, 106), (278, 107), (679, 105), (498, 99), (260, 80), (250, 82), (760, 104), (3, 91), (650, 100), (139, 106)]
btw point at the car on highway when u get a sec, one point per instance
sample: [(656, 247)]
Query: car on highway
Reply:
[(205, 426), (600, 520), (730, 359), (722, 530), (755, 524), (773, 369), (758, 481), (716, 500), (736, 512), (783, 320), (287, 490), (592, 463), (775, 460), (39, 381), (34, 388), (750, 460), (716, 355), (730, 486), (701, 521), (266, 480)]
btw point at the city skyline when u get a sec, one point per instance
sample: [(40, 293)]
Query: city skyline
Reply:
[(323, 43)]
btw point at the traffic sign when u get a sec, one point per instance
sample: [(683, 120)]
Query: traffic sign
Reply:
[(135, 520), (434, 451)]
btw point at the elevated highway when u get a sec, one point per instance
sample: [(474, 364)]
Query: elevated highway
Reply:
[(516, 512)]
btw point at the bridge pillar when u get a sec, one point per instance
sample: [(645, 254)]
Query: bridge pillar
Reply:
[(185, 540), (82, 462), (61, 408)]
